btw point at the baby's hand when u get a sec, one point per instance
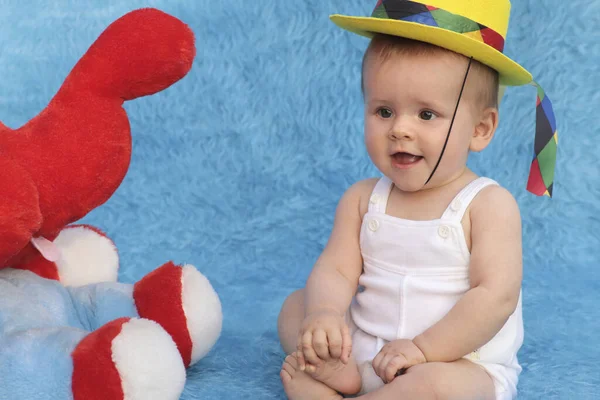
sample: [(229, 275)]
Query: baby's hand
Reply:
[(324, 336), (396, 355)]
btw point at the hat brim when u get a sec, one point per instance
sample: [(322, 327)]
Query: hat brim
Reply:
[(511, 73)]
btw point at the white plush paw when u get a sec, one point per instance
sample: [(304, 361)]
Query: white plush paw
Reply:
[(86, 257), (203, 313), (148, 362)]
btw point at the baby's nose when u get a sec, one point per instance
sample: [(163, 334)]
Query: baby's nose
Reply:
[(400, 134)]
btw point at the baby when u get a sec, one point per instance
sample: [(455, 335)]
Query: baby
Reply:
[(417, 294)]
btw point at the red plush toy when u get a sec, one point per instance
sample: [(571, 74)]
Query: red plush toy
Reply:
[(102, 340)]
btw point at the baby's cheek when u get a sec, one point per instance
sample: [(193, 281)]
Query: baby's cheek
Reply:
[(372, 144)]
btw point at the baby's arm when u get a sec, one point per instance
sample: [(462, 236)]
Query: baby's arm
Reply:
[(334, 280), (495, 276)]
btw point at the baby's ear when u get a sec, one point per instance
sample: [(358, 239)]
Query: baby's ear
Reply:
[(484, 130)]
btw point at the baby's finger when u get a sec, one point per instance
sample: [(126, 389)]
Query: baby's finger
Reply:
[(321, 345), (305, 348), (334, 337), (393, 366), (377, 362), (346, 344), (382, 368), (310, 356), (299, 354), (300, 359)]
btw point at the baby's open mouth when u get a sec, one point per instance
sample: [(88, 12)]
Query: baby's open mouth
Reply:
[(405, 158)]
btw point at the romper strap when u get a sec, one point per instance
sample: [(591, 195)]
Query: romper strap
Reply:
[(380, 195), (457, 208)]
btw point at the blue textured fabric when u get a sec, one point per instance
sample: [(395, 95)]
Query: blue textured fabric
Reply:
[(238, 167)]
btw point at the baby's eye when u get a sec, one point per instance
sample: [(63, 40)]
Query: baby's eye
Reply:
[(427, 115), (384, 113)]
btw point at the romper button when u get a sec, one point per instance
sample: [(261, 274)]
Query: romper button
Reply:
[(444, 231), (374, 199), (455, 206), (373, 225)]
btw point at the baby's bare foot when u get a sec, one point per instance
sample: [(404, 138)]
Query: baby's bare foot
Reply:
[(344, 378), (300, 386)]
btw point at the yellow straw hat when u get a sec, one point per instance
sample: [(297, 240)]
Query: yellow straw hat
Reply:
[(473, 28)]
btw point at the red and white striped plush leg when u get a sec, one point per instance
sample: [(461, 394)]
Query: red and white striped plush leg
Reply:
[(184, 302), (80, 254), (127, 359), (86, 256)]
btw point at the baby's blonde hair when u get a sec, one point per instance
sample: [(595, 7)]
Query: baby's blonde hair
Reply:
[(383, 46)]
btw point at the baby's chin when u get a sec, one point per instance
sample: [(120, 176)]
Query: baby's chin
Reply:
[(414, 185), (408, 187)]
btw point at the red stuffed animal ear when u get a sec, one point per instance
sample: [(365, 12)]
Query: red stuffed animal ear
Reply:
[(141, 53)]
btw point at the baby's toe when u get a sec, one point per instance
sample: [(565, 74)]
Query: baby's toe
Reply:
[(285, 375), (292, 360), (288, 369), (286, 372)]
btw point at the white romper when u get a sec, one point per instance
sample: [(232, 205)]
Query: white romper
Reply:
[(414, 272)]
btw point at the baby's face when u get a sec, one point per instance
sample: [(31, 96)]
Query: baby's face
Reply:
[(409, 104)]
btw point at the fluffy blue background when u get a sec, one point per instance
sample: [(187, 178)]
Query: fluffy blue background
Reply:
[(238, 167)]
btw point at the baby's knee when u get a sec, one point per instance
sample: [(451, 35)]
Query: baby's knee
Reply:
[(293, 306), (289, 320), (419, 382)]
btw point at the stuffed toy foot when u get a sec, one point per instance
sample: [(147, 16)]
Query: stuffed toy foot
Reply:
[(90, 340), (81, 254), (127, 358), (184, 303)]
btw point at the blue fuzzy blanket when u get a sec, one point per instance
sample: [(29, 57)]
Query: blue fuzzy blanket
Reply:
[(238, 167)]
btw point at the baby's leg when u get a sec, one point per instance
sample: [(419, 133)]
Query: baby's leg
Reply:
[(340, 377), (458, 380)]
